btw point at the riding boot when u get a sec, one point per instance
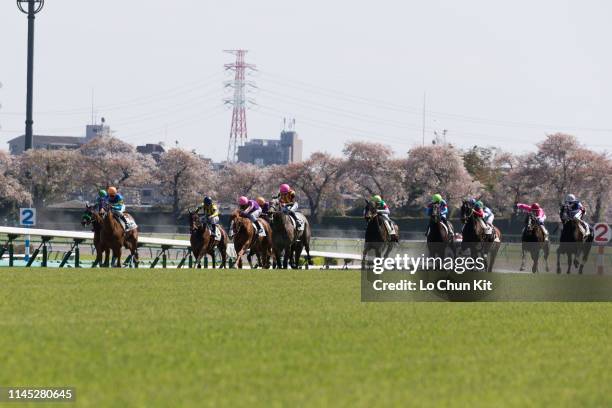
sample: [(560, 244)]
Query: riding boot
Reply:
[(125, 221), (213, 231), (545, 231), (260, 230)]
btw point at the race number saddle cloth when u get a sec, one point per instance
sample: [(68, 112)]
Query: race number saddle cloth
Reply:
[(131, 224)]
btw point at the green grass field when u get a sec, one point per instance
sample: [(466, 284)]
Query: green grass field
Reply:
[(284, 338)]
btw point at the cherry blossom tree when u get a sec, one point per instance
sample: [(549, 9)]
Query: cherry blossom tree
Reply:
[(110, 161), (438, 169), (373, 170), (12, 193), (316, 178), (49, 175), (184, 177)]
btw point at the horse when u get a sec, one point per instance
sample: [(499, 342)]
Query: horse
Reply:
[(93, 218), (287, 241), (114, 237), (246, 239), (533, 241), (476, 240), (573, 243), (439, 237), (377, 237), (203, 242)]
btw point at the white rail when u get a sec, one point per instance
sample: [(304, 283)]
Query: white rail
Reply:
[(174, 243)]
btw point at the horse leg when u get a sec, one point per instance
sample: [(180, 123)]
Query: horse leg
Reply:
[(277, 255), (286, 256), (523, 255), (223, 249), (117, 257), (239, 258), (535, 256), (569, 261), (308, 258), (559, 259), (364, 255), (297, 254)]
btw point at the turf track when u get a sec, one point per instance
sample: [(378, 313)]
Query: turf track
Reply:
[(286, 338)]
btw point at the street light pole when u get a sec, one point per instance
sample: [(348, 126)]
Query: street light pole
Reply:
[(33, 7)]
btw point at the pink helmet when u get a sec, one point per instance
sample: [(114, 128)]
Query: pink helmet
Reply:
[(535, 206), (284, 188), (242, 200)]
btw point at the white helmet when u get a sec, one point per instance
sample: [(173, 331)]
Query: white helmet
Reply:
[(570, 198)]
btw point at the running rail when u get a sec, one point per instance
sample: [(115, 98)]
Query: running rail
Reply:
[(79, 237)]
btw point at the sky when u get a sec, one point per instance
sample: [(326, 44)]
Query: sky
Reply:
[(502, 74)]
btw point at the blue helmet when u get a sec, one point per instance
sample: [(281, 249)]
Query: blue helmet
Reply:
[(207, 200)]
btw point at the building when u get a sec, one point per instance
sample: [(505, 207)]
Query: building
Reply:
[(152, 149), (17, 145), (266, 152)]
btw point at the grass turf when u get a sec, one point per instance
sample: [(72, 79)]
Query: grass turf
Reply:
[(285, 338)]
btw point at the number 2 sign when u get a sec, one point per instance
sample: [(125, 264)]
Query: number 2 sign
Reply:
[(27, 217), (603, 233)]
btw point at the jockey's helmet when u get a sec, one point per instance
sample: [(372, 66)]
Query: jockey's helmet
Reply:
[(284, 188), (102, 193), (436, 198), (242, 200), (570, 198), (112, 191), (535, 206), (472, 201), (479, 204), (377, 199), (260, 200), (207, 200)]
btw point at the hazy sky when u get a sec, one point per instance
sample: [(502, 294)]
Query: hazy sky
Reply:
[(495, 73)]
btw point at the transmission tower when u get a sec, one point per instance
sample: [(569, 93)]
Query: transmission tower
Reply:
[(238, 131)]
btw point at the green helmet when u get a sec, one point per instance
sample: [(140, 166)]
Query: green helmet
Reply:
[(102, 193), (479, 204), (377, 199), (436, 198)]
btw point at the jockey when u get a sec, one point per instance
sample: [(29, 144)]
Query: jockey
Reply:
[(575, 209), (251, 210), (289, 204), (101, 199), (483, 214), (210, 216), (437, 199), (538, 212), (263, 204), (383, 209), (117, 204)]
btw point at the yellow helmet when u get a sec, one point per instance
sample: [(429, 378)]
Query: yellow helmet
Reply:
[(260, 200)]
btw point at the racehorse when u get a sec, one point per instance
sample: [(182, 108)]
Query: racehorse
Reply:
[(114, 237), (476, 240), (246, 239), (377, 238), (573, 242), (439, 238), (203, 242), (93, 218), (287, 241), (533, 241)]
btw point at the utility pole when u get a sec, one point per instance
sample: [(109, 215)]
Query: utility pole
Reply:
[(33, 7)]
